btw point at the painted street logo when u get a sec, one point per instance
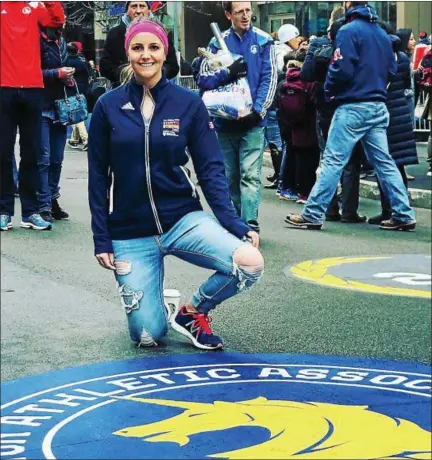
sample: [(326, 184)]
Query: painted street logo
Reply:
[(403, 275), (243, 408)]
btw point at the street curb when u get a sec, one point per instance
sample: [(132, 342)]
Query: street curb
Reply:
[(419, 198)]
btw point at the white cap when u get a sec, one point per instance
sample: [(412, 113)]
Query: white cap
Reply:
[(287, 32)]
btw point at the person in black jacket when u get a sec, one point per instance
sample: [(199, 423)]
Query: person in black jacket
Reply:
[(58, 81), (400, 133), (82, 75), (114, 55)]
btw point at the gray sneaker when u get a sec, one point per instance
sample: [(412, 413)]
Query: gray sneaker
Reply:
[(35, 222)]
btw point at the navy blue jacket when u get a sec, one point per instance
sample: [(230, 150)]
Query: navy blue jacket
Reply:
[(258, 52), (53, 57), (138, 181), (363, 61), (314, 69), (82, 73), (400, 134)]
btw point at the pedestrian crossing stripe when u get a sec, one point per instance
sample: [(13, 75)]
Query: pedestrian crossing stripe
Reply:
[(317, 271)]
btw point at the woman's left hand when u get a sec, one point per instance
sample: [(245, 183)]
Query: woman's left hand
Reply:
[(254, 238)]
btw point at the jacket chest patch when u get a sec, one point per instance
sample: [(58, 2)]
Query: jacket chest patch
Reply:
[(171, 127)]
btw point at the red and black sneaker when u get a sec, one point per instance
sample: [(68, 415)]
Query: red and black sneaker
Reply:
[(196, 327)]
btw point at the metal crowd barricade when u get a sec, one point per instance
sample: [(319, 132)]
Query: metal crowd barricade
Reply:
[(188, 82), (420, 124)]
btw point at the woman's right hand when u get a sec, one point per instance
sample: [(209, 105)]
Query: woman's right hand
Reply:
[(106, 260), (66, 72)]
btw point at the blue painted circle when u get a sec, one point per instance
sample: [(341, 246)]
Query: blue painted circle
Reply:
[(225, 405)]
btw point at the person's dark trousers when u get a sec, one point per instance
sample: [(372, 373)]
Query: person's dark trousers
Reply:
[(307, 161), (20, 108), (288, 167), (385, 203), (50, 162), (276, 157), (15, 174), (350, 180)]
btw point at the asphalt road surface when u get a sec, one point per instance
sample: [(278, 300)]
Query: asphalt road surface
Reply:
[(60, 309)]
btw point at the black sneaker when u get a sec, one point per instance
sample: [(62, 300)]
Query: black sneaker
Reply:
[(377, 220), (272, 186), (57, 212), (333, 217), (46, 216), (393, 224), (354, 219), (73, 144), (196, 327)]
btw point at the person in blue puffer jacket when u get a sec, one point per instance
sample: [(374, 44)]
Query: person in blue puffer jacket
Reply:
[(400, 132), (144, 206), (57, 77), (242, 141)]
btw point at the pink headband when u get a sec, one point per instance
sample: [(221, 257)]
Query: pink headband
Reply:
[(150, 27)]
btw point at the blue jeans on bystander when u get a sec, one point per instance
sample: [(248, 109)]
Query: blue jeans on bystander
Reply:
[(243, 156), (366, 122), (50, 162)]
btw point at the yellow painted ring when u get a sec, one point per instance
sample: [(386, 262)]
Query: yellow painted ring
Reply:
[(316, 272)]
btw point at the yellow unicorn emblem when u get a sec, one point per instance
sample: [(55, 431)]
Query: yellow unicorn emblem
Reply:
[(297, 430)]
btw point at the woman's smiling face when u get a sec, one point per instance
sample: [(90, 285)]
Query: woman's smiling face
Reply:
[(147, 56)]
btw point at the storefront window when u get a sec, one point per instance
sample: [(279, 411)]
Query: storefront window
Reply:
[(312, 18)]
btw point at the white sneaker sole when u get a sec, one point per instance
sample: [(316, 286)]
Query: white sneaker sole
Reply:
[(6, 229), (30, 226), (181, 330)]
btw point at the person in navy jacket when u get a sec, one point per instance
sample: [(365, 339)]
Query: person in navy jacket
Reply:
[(144, 206), (363, 64), (242, 141)]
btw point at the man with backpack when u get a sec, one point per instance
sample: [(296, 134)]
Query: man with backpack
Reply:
[(363, 63)]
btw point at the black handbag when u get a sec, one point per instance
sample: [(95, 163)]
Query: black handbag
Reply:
[(72, 109)]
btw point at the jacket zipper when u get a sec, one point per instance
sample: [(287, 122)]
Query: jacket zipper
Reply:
[(194, 192), (147, 123), (111, 193)]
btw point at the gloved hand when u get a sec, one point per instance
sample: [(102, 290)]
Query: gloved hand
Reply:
[(238, 69), (251, 121)]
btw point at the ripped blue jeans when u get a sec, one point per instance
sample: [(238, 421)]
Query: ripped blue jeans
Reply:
[(198, 239)]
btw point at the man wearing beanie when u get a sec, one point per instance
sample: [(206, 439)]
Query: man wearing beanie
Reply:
[(114, 56)]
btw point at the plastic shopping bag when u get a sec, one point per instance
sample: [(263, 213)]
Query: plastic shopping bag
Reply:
[(231, 101)]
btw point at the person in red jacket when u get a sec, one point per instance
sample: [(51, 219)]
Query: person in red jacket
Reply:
[(21, 86)]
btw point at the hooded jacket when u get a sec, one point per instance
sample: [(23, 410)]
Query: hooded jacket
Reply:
[(19, 26), (400, 134), (114, 55), (363, 61), (138, 180), (258, 51)]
